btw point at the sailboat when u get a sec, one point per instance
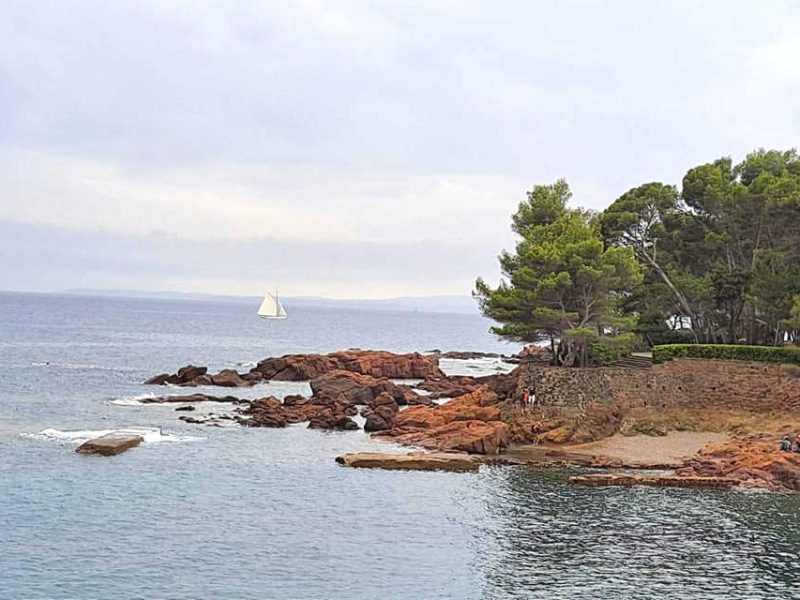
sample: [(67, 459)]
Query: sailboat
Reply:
[(271, 307)]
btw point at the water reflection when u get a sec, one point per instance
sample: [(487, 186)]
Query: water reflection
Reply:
[(540, 538)]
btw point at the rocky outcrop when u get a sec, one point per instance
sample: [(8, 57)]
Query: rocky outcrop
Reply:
[(754, 462), (110, 444), (191, 376), (187, 398), (357, 389), (380, 414), (185, 376), (469, 423), (321, 413), (298, 367), (475, 437), (411, 462)]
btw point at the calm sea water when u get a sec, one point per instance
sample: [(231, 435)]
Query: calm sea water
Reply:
[(200, 512)]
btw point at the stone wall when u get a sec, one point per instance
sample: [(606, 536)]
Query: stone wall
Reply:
[(726, 384)]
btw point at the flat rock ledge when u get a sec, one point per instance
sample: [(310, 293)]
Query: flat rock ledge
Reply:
[(421, 461), (110, 444), (615, 479)]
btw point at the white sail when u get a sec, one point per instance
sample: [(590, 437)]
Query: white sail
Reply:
[(271, 308)]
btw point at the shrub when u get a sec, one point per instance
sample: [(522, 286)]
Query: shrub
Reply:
[(792, 370), (769, 354)]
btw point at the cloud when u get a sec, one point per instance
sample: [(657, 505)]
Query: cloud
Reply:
[(50, 259), (384, 135)]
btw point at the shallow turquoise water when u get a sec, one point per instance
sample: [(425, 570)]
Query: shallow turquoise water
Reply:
[(249, 513)]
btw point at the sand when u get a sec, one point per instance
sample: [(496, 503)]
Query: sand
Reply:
[(642, 451)]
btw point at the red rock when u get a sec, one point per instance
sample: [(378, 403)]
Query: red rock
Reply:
[(265, 412), (469, 423), (357, 389), (754, 462), (230, 378), (328, 419), (297, 367), (474, 437), (190, 372)]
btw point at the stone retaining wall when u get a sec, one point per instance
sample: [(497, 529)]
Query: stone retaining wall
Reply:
[(727, 384)]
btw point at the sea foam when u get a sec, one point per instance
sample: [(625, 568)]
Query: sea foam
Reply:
[(150, 435)]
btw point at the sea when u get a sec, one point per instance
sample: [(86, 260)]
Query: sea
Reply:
[(232, 512)]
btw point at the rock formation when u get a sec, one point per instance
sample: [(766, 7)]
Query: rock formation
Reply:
[(470, 423), (110, 444), (298, 367), (355, 388), (421, 461)]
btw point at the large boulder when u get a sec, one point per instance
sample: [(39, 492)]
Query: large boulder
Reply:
[(297, 367), (192, 376), (190, 373), (358, 389), (329, 419), (754, 462), (264, 412), (480, 405), (380, 414), (470, 423), (230, 378), (110, 444), (321, 413), (474, 437)]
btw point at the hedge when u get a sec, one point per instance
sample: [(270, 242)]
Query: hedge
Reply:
[(769, 354)]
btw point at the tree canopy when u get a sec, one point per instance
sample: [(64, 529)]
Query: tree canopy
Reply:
[(562, 283), (722, 257), (716, 261)]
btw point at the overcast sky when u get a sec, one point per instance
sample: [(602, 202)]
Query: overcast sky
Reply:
[(354, 149)]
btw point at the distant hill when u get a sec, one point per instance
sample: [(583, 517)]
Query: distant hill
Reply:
[(438, 304)]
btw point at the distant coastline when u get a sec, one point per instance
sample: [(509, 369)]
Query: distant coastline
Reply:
[(426, 304)]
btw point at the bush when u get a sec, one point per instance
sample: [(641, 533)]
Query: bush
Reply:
[(769, 354), (792, 370)]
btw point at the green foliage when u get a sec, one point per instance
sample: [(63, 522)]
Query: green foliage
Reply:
[(769, 354), (561, 283), (610, 348), (721, 258)]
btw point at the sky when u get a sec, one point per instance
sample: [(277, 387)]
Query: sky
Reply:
[(355, 149)]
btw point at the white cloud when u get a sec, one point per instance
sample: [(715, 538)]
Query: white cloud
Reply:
[(217, 201)]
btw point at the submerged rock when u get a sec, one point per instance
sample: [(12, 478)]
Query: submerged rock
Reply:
[(190, 398), (615, 479), (411, 462), (110, 444)]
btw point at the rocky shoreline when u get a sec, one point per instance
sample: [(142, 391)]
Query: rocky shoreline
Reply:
[(463, 421)]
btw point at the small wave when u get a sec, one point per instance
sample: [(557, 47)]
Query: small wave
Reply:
[(247, 365), (150, 435), (79, 366), (132, 400)]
